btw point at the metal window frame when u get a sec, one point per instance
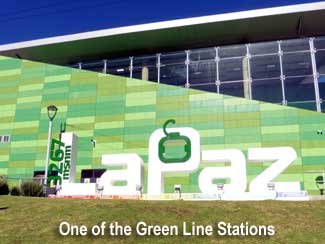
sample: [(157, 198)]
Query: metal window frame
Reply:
[(217, 60), (250, 81), (158, 67), (315, 74), (131, 66), (187, 64), (282, 76), (105, 66)]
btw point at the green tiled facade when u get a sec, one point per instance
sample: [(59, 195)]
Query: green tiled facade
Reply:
[(121, 113)]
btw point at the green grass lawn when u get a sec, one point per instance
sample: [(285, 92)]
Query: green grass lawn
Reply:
[(36, 220)]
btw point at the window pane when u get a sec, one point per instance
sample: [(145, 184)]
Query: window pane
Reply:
[(299, 89), (233, 89), (267, 90), (201, 73), (295, 45), (208, 87), (173, 74), (74, 66), (231, 69), (119, 67), (265, 67), (320, 61), (203, 54), (96, 66), (148, 61), (297, 64), (319, 42), (263, 48), (173, 58), (145, 73), (321, 85), (304, 105), (144, 67), (232, 51)]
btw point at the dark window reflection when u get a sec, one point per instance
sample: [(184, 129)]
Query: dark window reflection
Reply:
[(267, 90), (233, 89), (295, 45), (203, 54), (119, 67), (300, 89), (320, 61), (97, 66), (173, 74), (173, 58), (231, 69), (304, 105), (319, 42), (207, 87), (145, 68), (265, 67), (232, 51), (321, 85), (297, 64), (173, 69), (202, 73), (263, 48)]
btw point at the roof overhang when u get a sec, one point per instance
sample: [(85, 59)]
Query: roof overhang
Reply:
[(214, 30)]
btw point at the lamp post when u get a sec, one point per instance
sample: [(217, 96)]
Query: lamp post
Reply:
[(320, 132), (51, 113)]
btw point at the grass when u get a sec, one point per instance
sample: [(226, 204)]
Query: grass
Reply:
[(36, 220)]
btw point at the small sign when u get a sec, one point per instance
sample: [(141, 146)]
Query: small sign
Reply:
[(5, 138)]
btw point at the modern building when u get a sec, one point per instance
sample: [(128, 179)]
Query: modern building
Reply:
[(242, 80)]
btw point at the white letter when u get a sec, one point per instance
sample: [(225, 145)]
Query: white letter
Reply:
[(222, 230), (141, 228), (270, 230), (236, 172), (64, 223), (157, 168), (281, 157), (132, 175)]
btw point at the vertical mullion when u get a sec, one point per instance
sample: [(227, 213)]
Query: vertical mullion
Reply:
[(105, 66), (282, 76), (315, 74), (217, 60), (131, 67), (249, 71), (187, 63), (158, 67)]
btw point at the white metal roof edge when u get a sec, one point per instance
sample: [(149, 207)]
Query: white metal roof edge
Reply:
[(167, 24)]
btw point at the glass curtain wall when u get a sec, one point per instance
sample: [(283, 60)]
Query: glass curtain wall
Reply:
[(290, 72)]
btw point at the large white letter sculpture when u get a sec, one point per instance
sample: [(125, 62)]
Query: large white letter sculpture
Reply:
[(157, 168), (281, 158), (236, 172), (133, 175)]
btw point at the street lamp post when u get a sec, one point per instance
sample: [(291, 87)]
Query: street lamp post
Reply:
[(51, 113), (320, 132)]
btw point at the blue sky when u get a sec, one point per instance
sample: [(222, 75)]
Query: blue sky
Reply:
[(22, 20)]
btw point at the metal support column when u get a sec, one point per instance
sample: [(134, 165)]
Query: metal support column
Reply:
[(131, 67), (249, 80), (49, 139), (187, 63), (105, 66), (158, 67), (315, 74), (282, 76), (217, 60)]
